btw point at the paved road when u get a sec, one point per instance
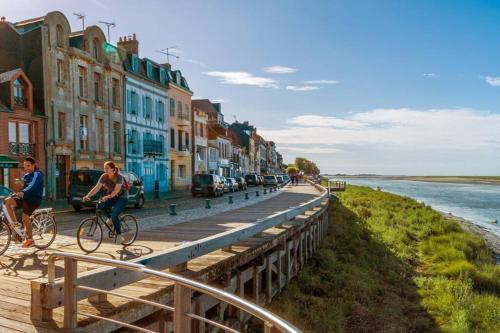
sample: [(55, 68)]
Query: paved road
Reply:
[(70, 220)]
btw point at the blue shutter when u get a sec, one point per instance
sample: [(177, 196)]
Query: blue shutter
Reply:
[(143, 106), (129, 101)]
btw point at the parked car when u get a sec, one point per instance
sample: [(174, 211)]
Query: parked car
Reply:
[(270, 181), (224, 184), (232, 184), (252, 180), (286, 178), (280, 180), (261, 180), (5, 191), (242, 184), (82, 181), (206, 184)]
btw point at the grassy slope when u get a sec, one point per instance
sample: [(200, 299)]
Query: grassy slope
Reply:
[(390, 264)]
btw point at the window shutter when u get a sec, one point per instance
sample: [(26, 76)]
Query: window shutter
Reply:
[(143, 106), (129, 101)]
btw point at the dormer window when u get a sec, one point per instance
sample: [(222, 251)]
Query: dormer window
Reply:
[(59, 36), (178, 78), (19, 93), (162, 75), (95, 49), (135, 63), (149, 69)]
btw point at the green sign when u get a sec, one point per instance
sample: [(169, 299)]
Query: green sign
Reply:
[(8, 165)]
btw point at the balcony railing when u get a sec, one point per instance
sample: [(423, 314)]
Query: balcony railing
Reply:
[(184, 149), (22, 149), (19, 100), (153, 147)]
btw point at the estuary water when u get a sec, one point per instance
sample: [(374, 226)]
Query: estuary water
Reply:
[(477, 203)]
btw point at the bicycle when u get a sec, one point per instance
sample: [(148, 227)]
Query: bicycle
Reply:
[(44, 228), (90, 231)]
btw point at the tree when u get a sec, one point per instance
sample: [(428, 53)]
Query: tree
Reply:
[(292, 169), (308, 167)]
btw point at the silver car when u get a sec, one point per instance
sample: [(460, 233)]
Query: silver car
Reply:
[(270, 181)]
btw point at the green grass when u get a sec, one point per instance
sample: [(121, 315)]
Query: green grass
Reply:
[(390, 264)]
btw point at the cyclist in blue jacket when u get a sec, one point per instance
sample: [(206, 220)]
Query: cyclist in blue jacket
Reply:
[(29, 198)]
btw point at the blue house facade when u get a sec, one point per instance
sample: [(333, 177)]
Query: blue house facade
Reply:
[(146, 121)]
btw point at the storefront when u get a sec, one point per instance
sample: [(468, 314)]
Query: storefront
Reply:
[(6, 164)]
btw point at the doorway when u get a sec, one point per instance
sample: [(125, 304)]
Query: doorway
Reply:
[(172, 174), (61, 176)]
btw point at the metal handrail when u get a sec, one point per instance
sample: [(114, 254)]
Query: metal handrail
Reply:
[(267, 317)]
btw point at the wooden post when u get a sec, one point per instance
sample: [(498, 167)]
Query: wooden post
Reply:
[(39, 291), (70, 302), (99, 298), (182, 304), (269, 328), (288, 259), (269, 278)]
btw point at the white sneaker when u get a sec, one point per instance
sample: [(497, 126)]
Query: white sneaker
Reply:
[(119, 239)]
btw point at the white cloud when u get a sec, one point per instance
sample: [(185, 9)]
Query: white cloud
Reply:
[(244, 78), (397, 129), (302, 88), (219, 100), (279, 70), (492, 80), (321, 82), (430, 75)]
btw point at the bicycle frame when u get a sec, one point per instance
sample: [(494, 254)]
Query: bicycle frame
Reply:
[(12, 225), (100, 218)]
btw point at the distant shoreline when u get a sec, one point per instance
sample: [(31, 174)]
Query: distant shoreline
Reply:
[(470, 180)]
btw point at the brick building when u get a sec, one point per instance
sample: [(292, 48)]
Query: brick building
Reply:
[(21, 129)]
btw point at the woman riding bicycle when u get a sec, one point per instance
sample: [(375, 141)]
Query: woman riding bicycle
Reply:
[(113, 183)]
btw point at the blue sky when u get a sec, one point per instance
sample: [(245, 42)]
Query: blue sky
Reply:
[(389, 87)]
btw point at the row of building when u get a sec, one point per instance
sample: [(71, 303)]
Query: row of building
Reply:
[(72, 100)]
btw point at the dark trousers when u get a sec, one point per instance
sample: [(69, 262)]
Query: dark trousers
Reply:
[(118, 205)]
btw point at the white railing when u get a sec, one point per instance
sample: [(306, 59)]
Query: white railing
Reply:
[(48, 295)]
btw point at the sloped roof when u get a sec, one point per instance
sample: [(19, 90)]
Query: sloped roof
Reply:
[(7, 76)]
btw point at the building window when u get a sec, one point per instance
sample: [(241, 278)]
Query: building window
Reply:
[(162, 76), (59, 36), (117, 138), (172, 138), (100, 135), (179, 140), (134, 102), (60, 71), (21, 138), (82, 80), (149, 69), (116, 92), (97, 87), (179, 110), (61, 121), (172, 107), (182, 171), (19, 93), (95, 49), (161, 111), (84, 123), (149, 107)]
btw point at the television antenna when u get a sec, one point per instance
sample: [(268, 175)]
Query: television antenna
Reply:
[(108, 25), (81, 16), (169, 53)]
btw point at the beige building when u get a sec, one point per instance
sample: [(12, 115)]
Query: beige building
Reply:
[(77, 86), (200, 140), (180, 142)]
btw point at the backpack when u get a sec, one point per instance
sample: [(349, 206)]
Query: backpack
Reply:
[(126, 184)]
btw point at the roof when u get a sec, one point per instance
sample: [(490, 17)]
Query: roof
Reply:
[(30, 21), (204, 105), (7, 76)]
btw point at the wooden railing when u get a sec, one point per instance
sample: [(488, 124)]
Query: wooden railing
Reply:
[(53, 293)]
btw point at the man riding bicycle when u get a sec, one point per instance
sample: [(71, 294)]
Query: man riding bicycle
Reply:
[(29, 198), (116, 196)]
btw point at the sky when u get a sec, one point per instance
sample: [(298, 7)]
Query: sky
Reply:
[(386, 87)]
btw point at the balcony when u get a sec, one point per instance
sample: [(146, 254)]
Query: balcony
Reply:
[(182, 120), (184, 149), (153, 147), (20, 101), (22, 149)]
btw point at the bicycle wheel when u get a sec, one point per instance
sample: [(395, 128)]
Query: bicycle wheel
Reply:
[(44, 230), (89, 235), (4, 237), (129, 228)]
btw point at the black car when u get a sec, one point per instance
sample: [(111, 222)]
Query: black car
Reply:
[(82, 181), (252, 180), (206, 184), (242, 184)]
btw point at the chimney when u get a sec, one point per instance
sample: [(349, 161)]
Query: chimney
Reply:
[(246, 123), (129, 44)]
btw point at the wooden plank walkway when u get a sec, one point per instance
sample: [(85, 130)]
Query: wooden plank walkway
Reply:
[(19, 266)]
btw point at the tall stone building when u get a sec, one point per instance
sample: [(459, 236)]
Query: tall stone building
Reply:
[(77, 81)]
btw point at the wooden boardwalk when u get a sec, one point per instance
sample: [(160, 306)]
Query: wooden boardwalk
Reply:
[(18, 267)]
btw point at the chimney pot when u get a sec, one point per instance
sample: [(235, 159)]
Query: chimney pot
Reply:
[(3, 18)]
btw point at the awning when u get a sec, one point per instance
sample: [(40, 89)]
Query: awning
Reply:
[(7, 162)]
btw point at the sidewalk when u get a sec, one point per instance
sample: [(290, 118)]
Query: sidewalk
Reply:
[(61, 205)]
